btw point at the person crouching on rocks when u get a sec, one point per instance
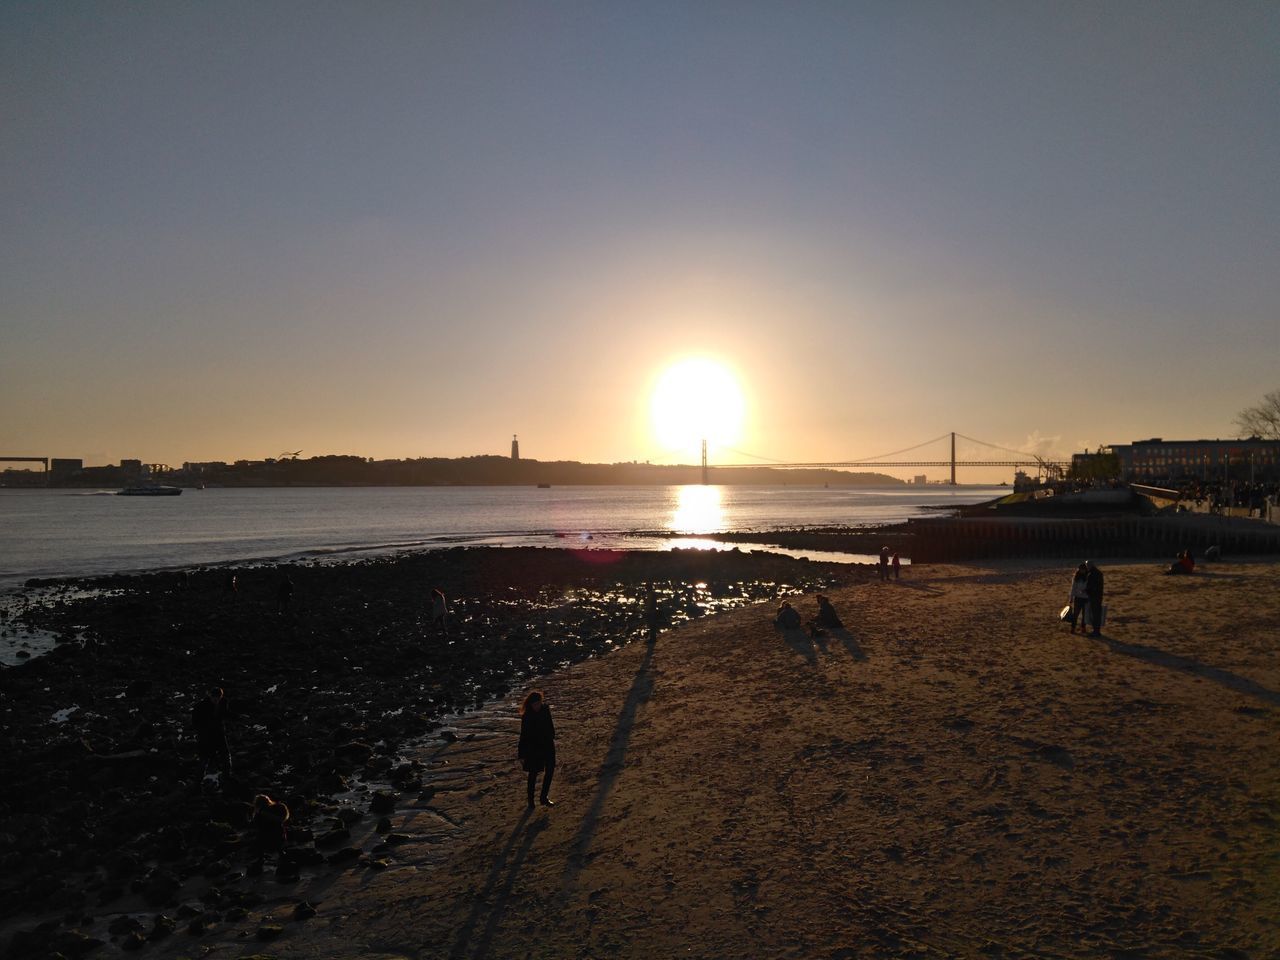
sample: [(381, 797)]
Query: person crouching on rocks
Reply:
[(537, 749), (268, 820)]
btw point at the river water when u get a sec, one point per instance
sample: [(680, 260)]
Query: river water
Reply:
[(53, 533)]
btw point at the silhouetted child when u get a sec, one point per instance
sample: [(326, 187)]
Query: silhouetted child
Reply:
[(268, 821), (897, 567)]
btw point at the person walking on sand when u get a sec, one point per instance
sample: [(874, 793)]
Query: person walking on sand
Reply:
[(1078, 597), (1093, 585), (207, 719), (884, 563), (896, 564), (537, 749), (439, 611)]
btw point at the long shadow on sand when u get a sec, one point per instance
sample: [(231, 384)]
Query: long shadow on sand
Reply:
[(850, 644), (496, 902), (921, 586), (610, 768), (1232, 681), (800, 642)]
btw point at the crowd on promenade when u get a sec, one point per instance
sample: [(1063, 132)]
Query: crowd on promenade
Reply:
[(1216, 495)]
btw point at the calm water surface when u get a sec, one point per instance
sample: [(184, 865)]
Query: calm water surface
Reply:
[(45, 533)]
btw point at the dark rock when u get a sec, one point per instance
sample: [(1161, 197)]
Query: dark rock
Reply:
[(344, 856), (124, 924), (355, 751), (305, 856), (383, 802), (162, 928), (304, 911), (134, 941), (333, 838), (384, 825), (269, 931), (73, 943), (162, 887)]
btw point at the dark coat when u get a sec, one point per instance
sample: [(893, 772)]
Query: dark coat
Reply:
[(827, 616), (1093, 583), (206, 719), (537, 739)]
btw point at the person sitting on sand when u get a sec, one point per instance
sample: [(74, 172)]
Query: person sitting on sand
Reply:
[(1185, 564), (788, 617), (827, 618), (268, 818)]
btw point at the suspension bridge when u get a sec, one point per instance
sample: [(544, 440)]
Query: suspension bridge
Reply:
[(1012, 458)]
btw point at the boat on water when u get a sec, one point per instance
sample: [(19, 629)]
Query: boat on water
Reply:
[(150, 490)]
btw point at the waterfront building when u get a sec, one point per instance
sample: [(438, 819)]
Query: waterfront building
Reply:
[(1250, 460), (63, 468)]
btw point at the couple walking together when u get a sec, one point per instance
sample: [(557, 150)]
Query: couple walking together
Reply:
[(1086, 598)]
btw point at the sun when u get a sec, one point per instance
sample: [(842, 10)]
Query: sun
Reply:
[(697, 399)]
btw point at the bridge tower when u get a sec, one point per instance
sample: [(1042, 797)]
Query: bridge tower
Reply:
[(704, 461), (953, 458)]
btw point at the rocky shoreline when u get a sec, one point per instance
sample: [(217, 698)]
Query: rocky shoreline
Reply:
[(104, 804)]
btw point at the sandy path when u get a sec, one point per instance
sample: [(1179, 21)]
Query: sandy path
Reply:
[(955, 776)]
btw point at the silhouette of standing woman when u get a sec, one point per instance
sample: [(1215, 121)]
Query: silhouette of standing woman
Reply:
[(537, 750)]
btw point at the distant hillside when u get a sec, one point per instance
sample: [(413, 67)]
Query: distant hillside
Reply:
[(494, 470)]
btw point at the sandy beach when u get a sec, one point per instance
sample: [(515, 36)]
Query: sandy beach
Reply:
[(954, 775)]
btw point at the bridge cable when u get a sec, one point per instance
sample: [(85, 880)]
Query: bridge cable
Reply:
[(996, 446), (754, 456), (880, 456)]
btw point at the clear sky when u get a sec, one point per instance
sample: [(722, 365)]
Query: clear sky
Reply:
[(413, 229)]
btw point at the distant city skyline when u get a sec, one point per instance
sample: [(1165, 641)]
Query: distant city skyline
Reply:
[(413, 230)]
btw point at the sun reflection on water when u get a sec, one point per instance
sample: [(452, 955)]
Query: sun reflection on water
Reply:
[(698, 510)]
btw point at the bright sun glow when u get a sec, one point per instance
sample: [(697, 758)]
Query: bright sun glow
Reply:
[(697, 510), (694, 400)]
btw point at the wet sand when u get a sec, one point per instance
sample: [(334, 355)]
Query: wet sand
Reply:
[(954, 775)]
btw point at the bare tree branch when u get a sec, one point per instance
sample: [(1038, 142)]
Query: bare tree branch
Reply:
[(1262, 420)]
